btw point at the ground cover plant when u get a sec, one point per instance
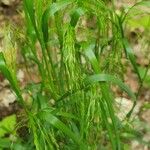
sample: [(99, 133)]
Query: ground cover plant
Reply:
[(76, 49)]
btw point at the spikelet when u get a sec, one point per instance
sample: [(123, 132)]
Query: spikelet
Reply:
[(69, 57), (9, 51)]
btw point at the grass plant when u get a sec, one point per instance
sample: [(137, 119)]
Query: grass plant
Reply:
[(73, 106)]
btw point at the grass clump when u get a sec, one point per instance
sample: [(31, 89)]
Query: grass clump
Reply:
[(78, 58)]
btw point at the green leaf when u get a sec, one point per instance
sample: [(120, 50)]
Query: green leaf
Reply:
[(146, 106), (130, 55), (4, 69), (29, 7), (140, 22), (49, 12), (13, 81), (134, 10), (30, 15), (144, 3), (88, 51), (109, 78), (7, 125), (4, 143), (77, 13), (54, 121), (67, 115)]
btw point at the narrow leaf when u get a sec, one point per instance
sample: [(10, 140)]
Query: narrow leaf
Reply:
[(5, 70), (76, 15), (88, 50), (50, 118), (130, 55), (109, 78), (49, 12)]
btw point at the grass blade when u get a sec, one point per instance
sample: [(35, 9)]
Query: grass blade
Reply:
[(109, 78), (106, 96), (131, 57), (49, 12), (76, 15), (50, 118), (13, 81)]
